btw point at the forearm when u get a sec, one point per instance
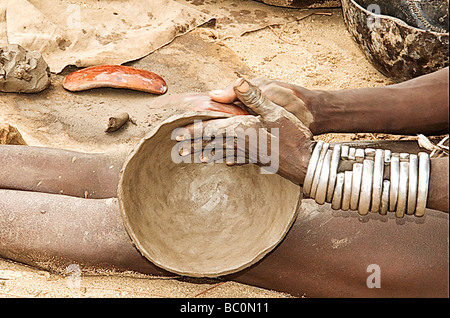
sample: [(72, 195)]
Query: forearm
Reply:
[(416, 106), (438, 191)]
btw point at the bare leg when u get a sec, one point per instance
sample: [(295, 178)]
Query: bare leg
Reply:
[(325, 254), (52, 231), (328, 254), (60, 171)]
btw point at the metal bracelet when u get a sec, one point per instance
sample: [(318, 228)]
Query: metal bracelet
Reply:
[(333, 172), (356, 185), (347, 192), (369, 152), (378, 172), (412, 187), (385, 197), (337, 193), (322, 187), (366, 187), (423, 182), (316, 177), (404, 156), (387, 157), (402, 190), (312, 167), (359, 155), (351, 153), (394, 180), (344, 152)]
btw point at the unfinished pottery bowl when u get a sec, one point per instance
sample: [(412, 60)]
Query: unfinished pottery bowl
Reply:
[(402, 39), (196, 219)]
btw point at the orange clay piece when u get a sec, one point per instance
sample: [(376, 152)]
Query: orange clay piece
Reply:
[(115, 76)]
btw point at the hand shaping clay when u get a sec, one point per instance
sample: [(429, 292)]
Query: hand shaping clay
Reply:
[(196, 219), (22, 71)]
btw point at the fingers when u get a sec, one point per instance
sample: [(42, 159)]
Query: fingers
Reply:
[(216, 127), (218, 140), (213, 151), (228, 95), (252, 97)]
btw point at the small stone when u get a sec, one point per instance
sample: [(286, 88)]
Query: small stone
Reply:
[(9, 135)]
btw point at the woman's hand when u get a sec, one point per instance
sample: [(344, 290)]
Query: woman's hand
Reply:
[(295, 99), (276, 139)]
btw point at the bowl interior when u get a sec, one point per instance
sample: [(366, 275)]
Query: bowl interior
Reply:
[(200, 219)]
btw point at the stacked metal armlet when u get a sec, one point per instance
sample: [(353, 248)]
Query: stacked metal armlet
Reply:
[(375, 180)]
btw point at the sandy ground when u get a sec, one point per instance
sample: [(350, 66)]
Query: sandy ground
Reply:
[(316, 52), (21, 281)]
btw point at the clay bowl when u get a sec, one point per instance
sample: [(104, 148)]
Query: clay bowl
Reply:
[(396, 41), (196, 219)]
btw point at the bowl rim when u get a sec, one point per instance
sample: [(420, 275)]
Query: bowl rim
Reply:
[(198, 115)]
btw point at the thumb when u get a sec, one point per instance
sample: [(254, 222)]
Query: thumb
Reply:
[(253, 98), (225, 96)]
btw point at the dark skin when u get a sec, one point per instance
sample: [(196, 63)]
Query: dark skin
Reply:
[(412, 256), (313, 108), (320, 111), (395, 109), (417, 106)]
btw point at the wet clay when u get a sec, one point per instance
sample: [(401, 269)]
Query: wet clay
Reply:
[(201, 220), (22, 71)]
